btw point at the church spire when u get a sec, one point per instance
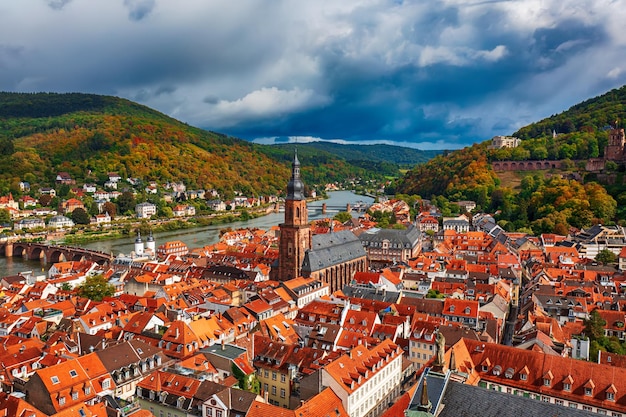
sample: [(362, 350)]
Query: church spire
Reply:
[(295, 187)]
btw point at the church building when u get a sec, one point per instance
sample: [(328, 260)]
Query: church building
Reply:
[(333, 258)]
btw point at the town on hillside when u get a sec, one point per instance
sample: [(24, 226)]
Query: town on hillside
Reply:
[(396, 312)]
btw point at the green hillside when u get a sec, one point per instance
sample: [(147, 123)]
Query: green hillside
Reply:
[(89, 135)]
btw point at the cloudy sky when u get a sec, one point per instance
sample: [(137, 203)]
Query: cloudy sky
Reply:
[(428, 74)]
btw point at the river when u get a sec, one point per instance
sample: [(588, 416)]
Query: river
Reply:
[(196, 237)]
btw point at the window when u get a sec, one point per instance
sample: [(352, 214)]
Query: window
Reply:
[(75, 395), (61, 400), (587, 408), (573, 405), (282, 393), (273, 376), (558, 402), (73, 373), (588, 392), (546, 382), (273, 389), (209, 412), (523, 377), (87, 390), (265, 387), (218, 413), (55, 379), (567, 387), (106, 384), (283, 377), (267, 374)]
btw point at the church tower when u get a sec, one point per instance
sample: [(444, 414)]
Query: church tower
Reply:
[(295, 232)]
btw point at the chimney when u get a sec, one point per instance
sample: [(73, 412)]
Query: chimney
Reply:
[(223, 346)]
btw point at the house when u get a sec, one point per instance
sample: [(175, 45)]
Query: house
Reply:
[(103, 218), (366, 379), (56, 388), (390, 246), (60, 222), (428, 223), (29, 223), (89, 188), (48, 191), (145, 210), (71, 204), (128, 363), (28, 201), (7, 202), (459, 224), (181, 210), (549, 378), (64, 178), (174, 247)]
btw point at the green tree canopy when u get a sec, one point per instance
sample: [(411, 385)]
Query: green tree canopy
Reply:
[(96, 288), (606, 257), (80, 216), (342, 216)]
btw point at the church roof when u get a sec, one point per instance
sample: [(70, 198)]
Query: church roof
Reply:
[(408, 238), (332, 249)]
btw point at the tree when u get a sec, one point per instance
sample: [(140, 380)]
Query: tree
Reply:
[(110, 208), (45, 200), (605, 256), (594, 326), (80, 216), (126, 202), (342, 216), (96, 288), (5, 216)]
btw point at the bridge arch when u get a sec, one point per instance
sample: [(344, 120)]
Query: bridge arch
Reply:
[(56, 255), (35, 253)]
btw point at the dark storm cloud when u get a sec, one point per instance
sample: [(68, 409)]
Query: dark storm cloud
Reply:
[(412, 72), (139, 9), (58, 4)]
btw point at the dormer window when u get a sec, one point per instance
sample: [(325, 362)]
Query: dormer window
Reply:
[(467, 310), (567, 386), (452, 309), (547, 382), (588, 391), (610, 396)]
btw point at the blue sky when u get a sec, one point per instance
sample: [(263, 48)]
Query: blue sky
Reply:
[(427, 74)]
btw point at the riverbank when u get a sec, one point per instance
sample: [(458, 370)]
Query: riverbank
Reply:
[(130, 228)]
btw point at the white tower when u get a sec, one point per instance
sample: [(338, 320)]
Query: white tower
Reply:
[(138, 245), (151, 244)]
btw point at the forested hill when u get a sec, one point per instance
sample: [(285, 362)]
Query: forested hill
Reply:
[(546, 201), (90, 135), (595, 114), (363, 154)]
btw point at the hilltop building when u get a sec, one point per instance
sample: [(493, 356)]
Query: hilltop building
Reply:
[(498, 142), (332, 257)]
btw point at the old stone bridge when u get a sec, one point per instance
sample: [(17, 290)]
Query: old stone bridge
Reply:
[(52, 253)]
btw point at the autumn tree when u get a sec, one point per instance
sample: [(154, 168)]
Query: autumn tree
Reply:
[(96, 288), (110, 208), (45, 200)]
